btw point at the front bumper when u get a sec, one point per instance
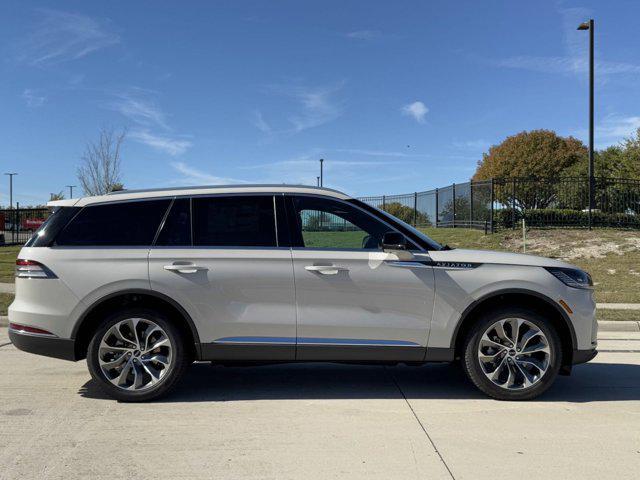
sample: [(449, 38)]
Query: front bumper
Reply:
[(47, 345), (583, 356)]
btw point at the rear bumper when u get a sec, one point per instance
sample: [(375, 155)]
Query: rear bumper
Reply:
[(584, 356), (49, 346)]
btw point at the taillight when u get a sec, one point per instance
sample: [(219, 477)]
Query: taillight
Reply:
[(32, 269)]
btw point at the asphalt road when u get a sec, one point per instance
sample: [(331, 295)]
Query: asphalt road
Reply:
[(321, 421)]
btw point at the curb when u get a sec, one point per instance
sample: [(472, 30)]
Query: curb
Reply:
[(603, 325)]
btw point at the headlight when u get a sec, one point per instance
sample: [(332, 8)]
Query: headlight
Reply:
[(571, 277)]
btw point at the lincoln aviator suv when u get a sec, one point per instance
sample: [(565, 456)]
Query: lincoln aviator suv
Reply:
[(143, 283)]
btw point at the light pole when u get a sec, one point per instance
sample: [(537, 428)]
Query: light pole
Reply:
[(321, 175), (11, 188), (590, 26), (318, 181), (70, 190)]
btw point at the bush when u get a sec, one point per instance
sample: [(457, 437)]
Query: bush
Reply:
[(406, 214), (553, 217)]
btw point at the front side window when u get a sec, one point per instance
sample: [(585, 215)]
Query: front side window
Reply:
[(325, 223), (115, 224), (234, 221)]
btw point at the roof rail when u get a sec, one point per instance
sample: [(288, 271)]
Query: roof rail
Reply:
[(205, 187)]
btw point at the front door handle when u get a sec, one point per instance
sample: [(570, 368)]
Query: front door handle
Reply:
[(325, 269), (184, 268)]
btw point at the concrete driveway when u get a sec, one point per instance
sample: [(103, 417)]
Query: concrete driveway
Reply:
[(321, 421)]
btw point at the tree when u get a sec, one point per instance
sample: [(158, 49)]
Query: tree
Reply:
[(527, 156), (100, 171), (538, 153), (406, 214)]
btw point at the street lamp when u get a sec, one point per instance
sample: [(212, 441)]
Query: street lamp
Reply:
[(11, 188), (590, 26), (71, 190), (321, 175)]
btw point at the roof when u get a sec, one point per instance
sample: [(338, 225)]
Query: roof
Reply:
[(197, 190)]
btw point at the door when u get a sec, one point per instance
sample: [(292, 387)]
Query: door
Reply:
[(219, 257), (355, 302)]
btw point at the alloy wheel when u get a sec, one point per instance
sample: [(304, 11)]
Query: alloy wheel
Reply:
[(135, 354), (514, 353)]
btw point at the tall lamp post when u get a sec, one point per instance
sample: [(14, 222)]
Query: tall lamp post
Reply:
[(11, 175), (590, 26), (70, 187), (321, 173)]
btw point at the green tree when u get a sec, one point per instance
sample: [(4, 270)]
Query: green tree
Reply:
[(530, 155), (538, 153)]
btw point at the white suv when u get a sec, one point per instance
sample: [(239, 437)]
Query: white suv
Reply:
[(142, 283)]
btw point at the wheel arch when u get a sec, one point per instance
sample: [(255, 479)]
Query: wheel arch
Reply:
[(521, 298), (132, 298)]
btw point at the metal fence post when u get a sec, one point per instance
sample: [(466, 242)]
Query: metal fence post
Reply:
[(437, 208), (415, 209), (471, 204), (16, 222), (453, 186), (492, 208), (513, 205), (384, 201)]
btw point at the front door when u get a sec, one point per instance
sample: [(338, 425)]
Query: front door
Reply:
[(355, 302), (219, 257)]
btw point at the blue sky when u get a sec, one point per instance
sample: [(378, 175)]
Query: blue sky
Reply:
[(396, 96)]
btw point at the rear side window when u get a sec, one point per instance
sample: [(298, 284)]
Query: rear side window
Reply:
[(43, 237), (234, 221), (115, 224)]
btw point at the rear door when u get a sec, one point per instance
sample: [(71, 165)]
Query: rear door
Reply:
[(355, 302), (220, 258)]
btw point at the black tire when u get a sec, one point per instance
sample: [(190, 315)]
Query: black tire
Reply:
[(473, 369), (178, 365)]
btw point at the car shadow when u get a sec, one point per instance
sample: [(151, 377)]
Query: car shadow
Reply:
[(592, 382)]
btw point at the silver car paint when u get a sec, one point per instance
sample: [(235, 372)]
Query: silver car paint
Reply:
[(252, 292)]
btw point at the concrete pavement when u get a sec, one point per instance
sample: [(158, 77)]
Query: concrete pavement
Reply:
[(321, 421)]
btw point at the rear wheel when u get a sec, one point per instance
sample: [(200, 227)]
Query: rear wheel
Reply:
[(512, 354), (137, 355)]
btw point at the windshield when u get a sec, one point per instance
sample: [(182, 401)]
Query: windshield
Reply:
[(428, 242)]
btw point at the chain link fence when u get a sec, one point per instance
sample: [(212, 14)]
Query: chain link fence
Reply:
[(497, 204)]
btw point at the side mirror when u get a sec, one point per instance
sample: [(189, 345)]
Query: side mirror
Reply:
[(394, 241)]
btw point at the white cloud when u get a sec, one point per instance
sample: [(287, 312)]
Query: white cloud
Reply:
[(61, 36), (479, 144), (139, 106), (32, 98), (380, 153), (260, 123), (164, 143), (312, 107), (417, 110), (194, 176), (363, 34)]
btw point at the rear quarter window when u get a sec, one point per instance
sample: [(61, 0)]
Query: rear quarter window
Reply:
[(115, 224)]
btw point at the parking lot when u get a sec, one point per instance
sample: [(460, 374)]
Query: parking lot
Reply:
[(321, 421)]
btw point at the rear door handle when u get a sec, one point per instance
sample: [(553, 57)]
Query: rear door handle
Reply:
[(184, 268), (325, 269)]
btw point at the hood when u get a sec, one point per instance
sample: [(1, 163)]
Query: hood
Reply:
[(491, 256)]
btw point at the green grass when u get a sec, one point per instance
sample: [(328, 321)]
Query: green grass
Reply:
[(617, 315), (8, 262), (333, 239), (5, 300)]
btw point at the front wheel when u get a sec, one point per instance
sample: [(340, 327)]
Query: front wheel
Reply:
[(137, 355), (512, 354)]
